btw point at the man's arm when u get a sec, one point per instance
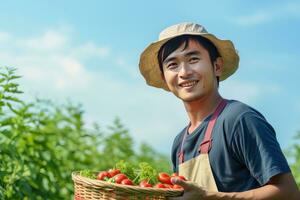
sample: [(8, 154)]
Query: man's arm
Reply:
[(280, 187)]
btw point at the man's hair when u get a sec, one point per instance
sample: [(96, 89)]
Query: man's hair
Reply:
[(176, 42)]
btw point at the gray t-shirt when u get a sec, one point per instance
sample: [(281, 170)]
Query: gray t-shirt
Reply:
[(245, 153)]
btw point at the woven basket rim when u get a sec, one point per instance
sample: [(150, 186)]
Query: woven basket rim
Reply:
[(137, 190)]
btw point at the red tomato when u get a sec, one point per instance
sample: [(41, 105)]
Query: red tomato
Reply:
[(127, 181), (114, 172), (177, 187), (103, 175), (78, 198), (182, 178), (164, 178), (160, 185), (119, 178), (174, 174), (178, 176), (168, 185), (145, 183)]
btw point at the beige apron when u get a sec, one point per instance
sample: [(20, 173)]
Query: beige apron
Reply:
[(198, 169)]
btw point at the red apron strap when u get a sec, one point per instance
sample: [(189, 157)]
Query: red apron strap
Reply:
[(206, 144), (181, 153)]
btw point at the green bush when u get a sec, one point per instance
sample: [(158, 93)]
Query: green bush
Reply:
[(41, 143), (294, 154)]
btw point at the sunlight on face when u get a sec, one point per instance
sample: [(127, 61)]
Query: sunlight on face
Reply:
[(189, 72)]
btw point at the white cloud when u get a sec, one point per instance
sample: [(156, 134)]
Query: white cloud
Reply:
[(247, 92), (4, 37), (51, 59), (120, 62), (272, 13), (33, 73), (48, 41), (72, 75), (129, 69), (253, 19), (72, 67), (89, 49)]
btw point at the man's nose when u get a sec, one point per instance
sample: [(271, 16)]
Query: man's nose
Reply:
[(185, 70)]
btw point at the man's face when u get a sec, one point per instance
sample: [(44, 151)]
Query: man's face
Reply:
[(189, 73)]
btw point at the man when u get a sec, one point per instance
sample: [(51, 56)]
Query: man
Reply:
[(228, 150)]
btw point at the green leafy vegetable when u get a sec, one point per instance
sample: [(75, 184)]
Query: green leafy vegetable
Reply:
[(88, 174), (146, 172), (126, 168)]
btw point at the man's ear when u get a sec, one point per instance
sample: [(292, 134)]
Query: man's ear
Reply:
[(218, 66)]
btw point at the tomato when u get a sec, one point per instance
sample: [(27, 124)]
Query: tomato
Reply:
[(145, 183), (126, 181), (182, 178), (114, 172), (119, 178), (78, 198), (176, 187), (168, 185), (103, 175), (178, 176), (160, 185), (164, 178), (174, 174)]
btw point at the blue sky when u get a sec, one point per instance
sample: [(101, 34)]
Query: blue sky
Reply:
[(89, 52)]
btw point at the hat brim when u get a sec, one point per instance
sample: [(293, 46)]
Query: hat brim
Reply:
[(149, 65)]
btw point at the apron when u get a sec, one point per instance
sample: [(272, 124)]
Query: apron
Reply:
[(198, 169)]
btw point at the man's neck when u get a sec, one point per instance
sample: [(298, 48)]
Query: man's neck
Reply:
[(198, 110)]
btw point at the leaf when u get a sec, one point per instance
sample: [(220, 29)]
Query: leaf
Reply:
[(126, 168), (14, 77), (88, 174)]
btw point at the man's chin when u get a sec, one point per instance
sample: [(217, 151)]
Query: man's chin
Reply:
[(189, 98)]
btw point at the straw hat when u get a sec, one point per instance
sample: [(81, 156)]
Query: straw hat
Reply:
[(149, 65)]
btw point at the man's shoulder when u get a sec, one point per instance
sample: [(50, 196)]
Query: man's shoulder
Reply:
[(179, 136), (236, 109)]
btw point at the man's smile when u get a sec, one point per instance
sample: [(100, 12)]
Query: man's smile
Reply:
[(188, 84)]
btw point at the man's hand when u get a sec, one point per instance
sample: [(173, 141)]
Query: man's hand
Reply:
[(280, 187), (191, 190)]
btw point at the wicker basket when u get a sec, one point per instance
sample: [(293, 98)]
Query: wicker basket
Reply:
[(90, 189)]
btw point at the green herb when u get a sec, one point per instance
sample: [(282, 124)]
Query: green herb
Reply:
[(126, 168), (88, 174), (110, 180), (146, 172)]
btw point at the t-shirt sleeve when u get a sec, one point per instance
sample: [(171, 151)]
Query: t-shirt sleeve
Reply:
[(254, 144)]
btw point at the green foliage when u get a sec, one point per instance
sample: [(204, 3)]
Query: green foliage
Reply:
[(88, 173), (126, 168), (294, 154), (161, 162), (41, 143), (146, 172)]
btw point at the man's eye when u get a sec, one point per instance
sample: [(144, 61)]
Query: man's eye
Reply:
[(171, 65), (194, 59)]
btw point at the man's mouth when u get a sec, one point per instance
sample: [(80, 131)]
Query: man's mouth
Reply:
[(188, 84)]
